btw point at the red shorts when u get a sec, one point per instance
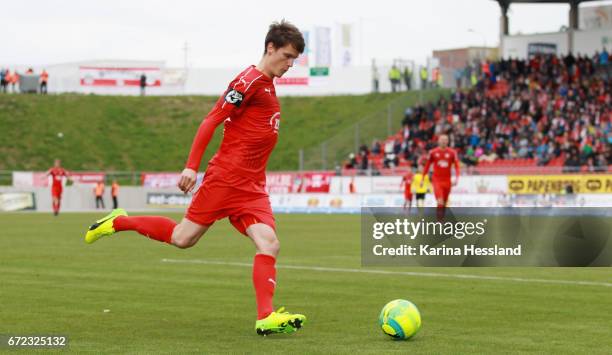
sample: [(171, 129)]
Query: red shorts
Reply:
[(56, 191), (442, 189), (223, 195)]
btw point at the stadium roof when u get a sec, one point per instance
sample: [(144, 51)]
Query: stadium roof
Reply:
[(504, 5)]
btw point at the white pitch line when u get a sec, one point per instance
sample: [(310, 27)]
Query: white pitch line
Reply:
[(404, 273)]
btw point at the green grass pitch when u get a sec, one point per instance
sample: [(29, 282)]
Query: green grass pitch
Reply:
[(51, 282)]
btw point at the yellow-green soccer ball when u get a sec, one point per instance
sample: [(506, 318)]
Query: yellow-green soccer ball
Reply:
[(400, 319)]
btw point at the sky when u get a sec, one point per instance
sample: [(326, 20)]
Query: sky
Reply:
[(231, 33)]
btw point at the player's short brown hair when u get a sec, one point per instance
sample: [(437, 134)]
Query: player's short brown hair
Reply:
[(283, 33)]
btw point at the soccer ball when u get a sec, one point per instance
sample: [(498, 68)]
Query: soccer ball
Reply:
[(400, 319)]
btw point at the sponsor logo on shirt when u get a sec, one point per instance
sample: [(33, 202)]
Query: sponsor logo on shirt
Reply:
[(234, 97)]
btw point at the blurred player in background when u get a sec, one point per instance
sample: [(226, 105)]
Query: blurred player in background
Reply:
[(420, 187), (234, 183), (406, 184), (442, 158), (57, 174)]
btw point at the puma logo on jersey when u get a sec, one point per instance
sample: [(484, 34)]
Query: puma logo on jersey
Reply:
[(268, 90), (242, 82)]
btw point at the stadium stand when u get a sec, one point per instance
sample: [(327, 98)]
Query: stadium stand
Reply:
[(548, 114)]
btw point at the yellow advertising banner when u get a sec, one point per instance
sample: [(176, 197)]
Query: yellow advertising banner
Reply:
[(554, 184)]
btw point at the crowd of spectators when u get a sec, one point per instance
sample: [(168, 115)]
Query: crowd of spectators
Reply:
[(547, 108)]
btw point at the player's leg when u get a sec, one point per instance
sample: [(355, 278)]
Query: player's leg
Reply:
[(203, 211), (187, 233), (56, 201), (439, 194), (56, 194), (259, 227), (264, 266), (267, 246), (163, 229), (446, 194), (264, 237), (264, 280), (54, 204), (420, 201)]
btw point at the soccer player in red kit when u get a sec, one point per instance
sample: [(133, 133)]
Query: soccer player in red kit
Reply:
[(234, 183), (57, 174), (407, 185), (442, 158)]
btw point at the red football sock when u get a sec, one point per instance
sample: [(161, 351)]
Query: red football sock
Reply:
[(154, 227), (264, 280), (440, 212)]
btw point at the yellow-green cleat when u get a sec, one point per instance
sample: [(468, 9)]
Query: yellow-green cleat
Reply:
[(280, 322), (104, 226)]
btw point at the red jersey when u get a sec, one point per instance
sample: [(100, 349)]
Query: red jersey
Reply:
[(250, 111), (56, 176), (442, 160), (407, 181)]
